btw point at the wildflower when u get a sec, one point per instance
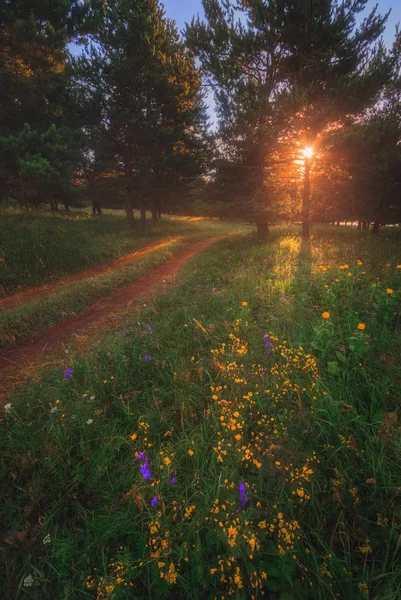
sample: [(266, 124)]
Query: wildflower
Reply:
[(325, 315), (154, 500), (244, 303), (145, 470), (133, 436), (268, 344), (54, 409), (150, 330), (359, 262), (7, 407), (147, 357), (363, 588), (47, 539), (361, 326), (242, 494), (92, 397), (140, 455), (68, 373), (89, 421), (398, 266), (28, 581), (283, 298), (191, 452), (301, 493), (125, 331), (172, 481), (389, 291)]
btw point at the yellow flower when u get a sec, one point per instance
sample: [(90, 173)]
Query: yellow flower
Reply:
[(301, 493), (325, 315), (192, 357), (349, 274), (133, 436), (359, 262), (389, 291), (191, 452), (245, 304), (361, 326), (398, 266)]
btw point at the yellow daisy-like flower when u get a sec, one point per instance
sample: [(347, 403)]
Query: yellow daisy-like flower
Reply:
[(301, 493), (133, 436), (325, 315), (191, 452), (398, 266), (359, 262), (389, 291), (361, 326), (244, 303)]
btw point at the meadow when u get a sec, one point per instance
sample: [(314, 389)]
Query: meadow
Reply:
[(237, 437), (38, 247)]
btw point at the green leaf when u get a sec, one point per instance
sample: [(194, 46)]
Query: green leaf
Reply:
[(333, 368), (341, 357)]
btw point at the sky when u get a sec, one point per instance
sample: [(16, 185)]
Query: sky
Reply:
[(182, 11)]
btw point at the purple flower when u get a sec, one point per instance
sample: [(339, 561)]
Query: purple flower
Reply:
[(242, 494), (154, 500), (172, 481), (150, 330), (140, 455), (268, 344), (68, 373), (125, 331), (147, 357), (145, 470), (283, 298)]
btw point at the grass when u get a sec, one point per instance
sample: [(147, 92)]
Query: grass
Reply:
[(275, 469), (37, 247), (25, 320)]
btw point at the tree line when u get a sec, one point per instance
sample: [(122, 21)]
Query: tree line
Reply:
[(122, 121)]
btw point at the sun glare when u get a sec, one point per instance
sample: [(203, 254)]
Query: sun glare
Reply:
[(307, 152)]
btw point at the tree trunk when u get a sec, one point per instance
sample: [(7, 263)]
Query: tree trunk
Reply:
[(154, 212), (129, 210), (375, 227), (159, 212), (262, 229), (337, 223), (306, 202), (66, 206), (96, 208), (359, 225), (143, 210)]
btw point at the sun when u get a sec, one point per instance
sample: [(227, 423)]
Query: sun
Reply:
[(307, 152)]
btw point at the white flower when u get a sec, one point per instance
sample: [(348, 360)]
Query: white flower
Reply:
[(28, 581), (46, 539), (84, 395), (8, 407), (89, 421), (92, 397), (54, 409)]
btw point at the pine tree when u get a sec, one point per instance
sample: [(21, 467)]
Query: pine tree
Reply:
[(38, 144), (138, 87), (287, 70)]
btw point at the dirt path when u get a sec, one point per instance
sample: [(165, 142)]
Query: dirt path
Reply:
[(42, 291), (20, 361)]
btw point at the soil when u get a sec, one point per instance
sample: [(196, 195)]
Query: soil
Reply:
[(17, 362), (42, 291)]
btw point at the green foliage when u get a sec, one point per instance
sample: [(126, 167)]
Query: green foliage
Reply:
[(38, 142), (138, 87), (318, 449)]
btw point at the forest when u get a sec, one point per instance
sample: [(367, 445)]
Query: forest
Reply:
[(104, 104)]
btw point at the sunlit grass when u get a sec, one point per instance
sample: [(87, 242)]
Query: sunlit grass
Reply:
[(271, 435)]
